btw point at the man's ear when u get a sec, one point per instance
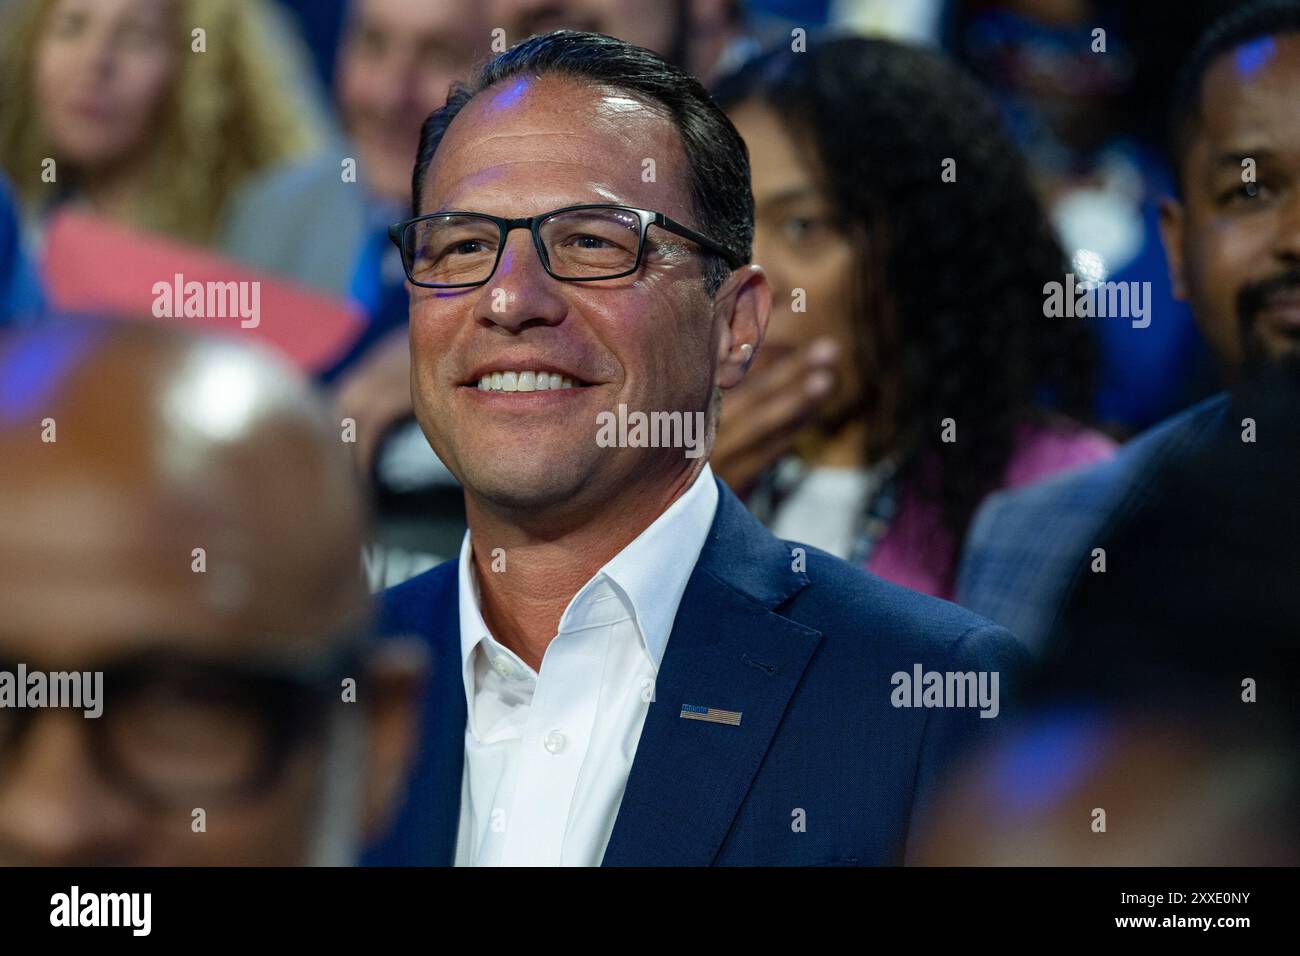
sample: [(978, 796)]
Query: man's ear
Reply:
[(740, 310), (1172, 214), (395, 676)]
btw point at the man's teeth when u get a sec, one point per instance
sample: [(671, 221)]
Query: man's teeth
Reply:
[(522, 382)]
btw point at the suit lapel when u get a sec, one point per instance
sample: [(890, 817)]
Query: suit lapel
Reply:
[(727, 651), (445, 719)]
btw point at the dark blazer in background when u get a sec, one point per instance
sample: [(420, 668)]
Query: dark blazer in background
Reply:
[(1026, 548)]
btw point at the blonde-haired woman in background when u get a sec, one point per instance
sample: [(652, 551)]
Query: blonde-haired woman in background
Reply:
[(142, 125)]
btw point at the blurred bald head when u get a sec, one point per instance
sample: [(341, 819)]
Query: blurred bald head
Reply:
[(128, 448), (168, 497)]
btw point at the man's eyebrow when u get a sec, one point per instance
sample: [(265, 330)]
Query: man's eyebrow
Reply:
[(1234, 157), (792, 194)]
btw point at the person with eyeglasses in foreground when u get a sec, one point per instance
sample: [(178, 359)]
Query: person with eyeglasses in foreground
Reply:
[(628, 669), (180, 523)]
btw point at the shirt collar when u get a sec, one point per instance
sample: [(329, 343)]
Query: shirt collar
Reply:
[(652, 571), (650, 575)]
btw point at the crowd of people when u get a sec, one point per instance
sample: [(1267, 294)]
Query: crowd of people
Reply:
[(838, 239)]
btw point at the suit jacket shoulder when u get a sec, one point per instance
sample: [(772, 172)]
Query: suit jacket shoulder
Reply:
[(1026, 546), (890, 762), (826, 764), (817, 756)]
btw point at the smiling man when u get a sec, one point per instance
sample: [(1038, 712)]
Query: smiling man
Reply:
[(628, 668), (1233, 233), (1233, 238)]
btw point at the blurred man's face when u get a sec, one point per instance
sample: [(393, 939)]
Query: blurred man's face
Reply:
[(102, 72), (650, 25), (92, 584), (81, 593), (1234, 245), (98, 573), (397, 61), (648, 340)]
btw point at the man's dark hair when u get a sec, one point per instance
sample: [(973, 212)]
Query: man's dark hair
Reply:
[(948, 291), (1263, 18), (718, 162)]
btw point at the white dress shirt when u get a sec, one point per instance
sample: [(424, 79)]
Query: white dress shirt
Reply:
[(547, 753)]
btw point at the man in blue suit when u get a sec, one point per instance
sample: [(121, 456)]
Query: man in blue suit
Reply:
[(1233, 239), (628, 669)]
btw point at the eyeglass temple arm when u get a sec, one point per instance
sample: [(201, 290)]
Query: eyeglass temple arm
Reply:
[(686, 232)]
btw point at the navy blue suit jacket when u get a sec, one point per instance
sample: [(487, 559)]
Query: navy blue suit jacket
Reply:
[(823, 769), (1027, 548)]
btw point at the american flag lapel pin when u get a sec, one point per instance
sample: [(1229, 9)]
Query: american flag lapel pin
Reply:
[(711, 714)]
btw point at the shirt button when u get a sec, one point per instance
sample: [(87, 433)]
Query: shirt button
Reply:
[(555, 741), (502, 666)]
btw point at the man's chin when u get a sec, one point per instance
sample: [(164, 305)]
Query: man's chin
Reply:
[(1268, 350), (530, 490)]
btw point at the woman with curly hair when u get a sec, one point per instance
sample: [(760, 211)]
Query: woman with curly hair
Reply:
[(146, 120), (908, 368)]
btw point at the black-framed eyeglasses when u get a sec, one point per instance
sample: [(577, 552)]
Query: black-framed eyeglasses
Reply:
[(177, 729), (456, 250)]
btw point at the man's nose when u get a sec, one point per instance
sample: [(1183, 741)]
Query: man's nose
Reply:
[(521, 293), (54, 809)]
